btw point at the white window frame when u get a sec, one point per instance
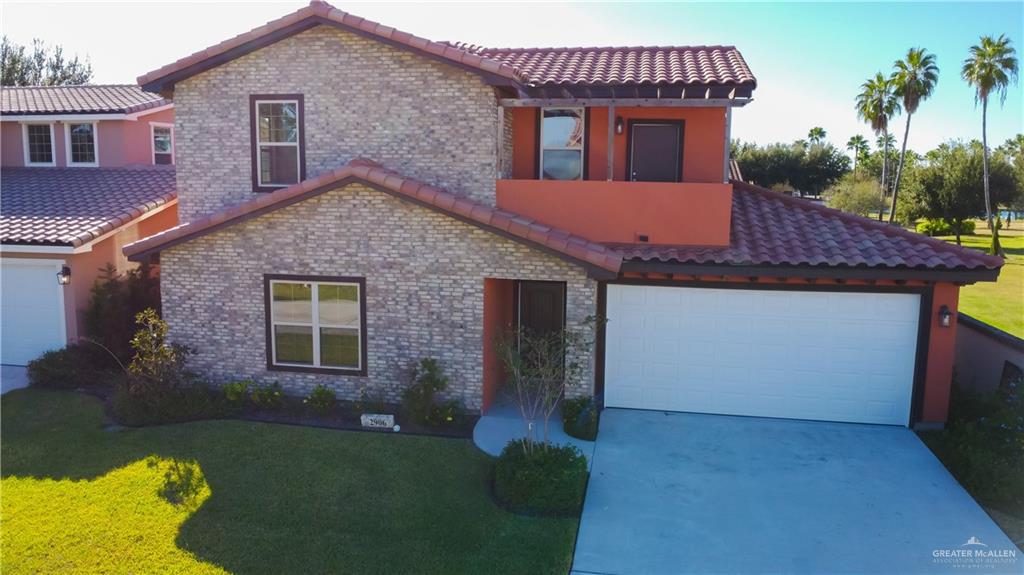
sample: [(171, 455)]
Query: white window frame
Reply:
[(152, 139), (316, 325), (95, 145), (24, 144), (297, 143), (583, 140)]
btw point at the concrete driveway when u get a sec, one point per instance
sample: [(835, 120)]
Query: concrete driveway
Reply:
[(691, 493)]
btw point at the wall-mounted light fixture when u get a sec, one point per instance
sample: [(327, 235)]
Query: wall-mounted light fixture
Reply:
[(945, 316), (619, 125), (64, 276)]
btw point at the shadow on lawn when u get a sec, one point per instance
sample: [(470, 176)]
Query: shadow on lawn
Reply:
[(288, 499)]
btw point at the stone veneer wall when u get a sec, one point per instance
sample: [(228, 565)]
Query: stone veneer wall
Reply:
[(422, 118), (424, 289)]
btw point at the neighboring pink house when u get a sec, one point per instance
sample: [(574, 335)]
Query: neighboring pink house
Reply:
[(85, 170)]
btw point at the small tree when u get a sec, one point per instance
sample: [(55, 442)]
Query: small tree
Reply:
[(540, 367), (861, 197), (158, 366)]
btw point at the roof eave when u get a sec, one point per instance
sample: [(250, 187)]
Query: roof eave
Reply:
[(813, 272), (164, 84)]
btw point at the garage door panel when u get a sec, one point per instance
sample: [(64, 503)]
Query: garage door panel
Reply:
[(31, 310), (841, 356)]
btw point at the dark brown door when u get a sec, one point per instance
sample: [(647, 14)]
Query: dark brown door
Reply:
[(541, 306), (656, 151)]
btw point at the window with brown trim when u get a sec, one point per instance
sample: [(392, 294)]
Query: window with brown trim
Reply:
[(316, 324), (278, 141)]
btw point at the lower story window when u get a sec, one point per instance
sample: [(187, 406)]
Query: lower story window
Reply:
[(316, 323)]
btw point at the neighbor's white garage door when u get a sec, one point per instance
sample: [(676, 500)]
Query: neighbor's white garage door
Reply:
[(31, 310), (835, 356)]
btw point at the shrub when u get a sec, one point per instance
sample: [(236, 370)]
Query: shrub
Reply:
[(114, 303), (934, 227), (321, 399), (173, 406), (367, 401), (579, 418), (237, 392), (420, 399), (544, 479), (268, 396), (157, 387), (73, 367)]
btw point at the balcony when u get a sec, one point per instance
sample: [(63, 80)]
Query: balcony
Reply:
[(627, 212)]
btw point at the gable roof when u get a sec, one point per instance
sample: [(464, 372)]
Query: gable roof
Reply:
[(690, 71), (600, 260), (101, 99), (322, 13), (685, 65), (772, 229), (73, 206)]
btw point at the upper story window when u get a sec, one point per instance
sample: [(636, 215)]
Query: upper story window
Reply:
[(81, 144), (561, 137), (316, 323), (277, 141), (38, 145), (163, 143)]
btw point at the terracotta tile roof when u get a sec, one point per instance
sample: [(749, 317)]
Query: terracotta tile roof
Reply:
[(72, 206), (316, 13), (111, 99), (687, 65), (769, 228), (563, 244)]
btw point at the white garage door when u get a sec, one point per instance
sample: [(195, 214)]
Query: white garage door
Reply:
[(834, 356), (31, 310)]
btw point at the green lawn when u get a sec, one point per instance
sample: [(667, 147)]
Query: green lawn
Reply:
[(276, 499), (999, 303)]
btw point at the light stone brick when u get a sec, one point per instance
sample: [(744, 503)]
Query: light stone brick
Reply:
[(363, 98), (424, 289)]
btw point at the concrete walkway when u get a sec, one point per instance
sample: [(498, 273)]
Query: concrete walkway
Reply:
[(503, 423), (12, 377), (690, 493)]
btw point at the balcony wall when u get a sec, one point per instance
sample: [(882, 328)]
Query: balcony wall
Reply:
[(667, 213), (703, 154)]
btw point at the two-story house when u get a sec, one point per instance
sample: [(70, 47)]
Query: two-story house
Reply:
[(356, 198), (84, 170)]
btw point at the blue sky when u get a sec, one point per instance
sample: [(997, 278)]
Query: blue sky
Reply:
[(809, 58)]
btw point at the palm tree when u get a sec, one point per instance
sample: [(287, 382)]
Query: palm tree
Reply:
[(914, 81), (876, 105), (816, 135), (990, 68), (859, 146)]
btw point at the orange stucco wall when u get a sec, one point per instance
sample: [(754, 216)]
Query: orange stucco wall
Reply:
[(667, 213), (703, 142), (941, 353), (121, 142), (498, 306), (938, 378)]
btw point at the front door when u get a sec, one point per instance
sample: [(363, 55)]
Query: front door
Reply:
[(655, 153), (541, 306)]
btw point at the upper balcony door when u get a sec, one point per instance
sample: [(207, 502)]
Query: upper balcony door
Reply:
[(655, 151)]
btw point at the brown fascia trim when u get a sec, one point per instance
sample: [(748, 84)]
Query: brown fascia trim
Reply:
[(164, 85), (960, 276), (593, 271)]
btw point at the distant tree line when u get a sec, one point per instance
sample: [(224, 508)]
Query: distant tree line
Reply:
[(40, 65), (807, 167)]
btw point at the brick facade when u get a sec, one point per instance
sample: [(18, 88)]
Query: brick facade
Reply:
[(424, 289), (425, 119)]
